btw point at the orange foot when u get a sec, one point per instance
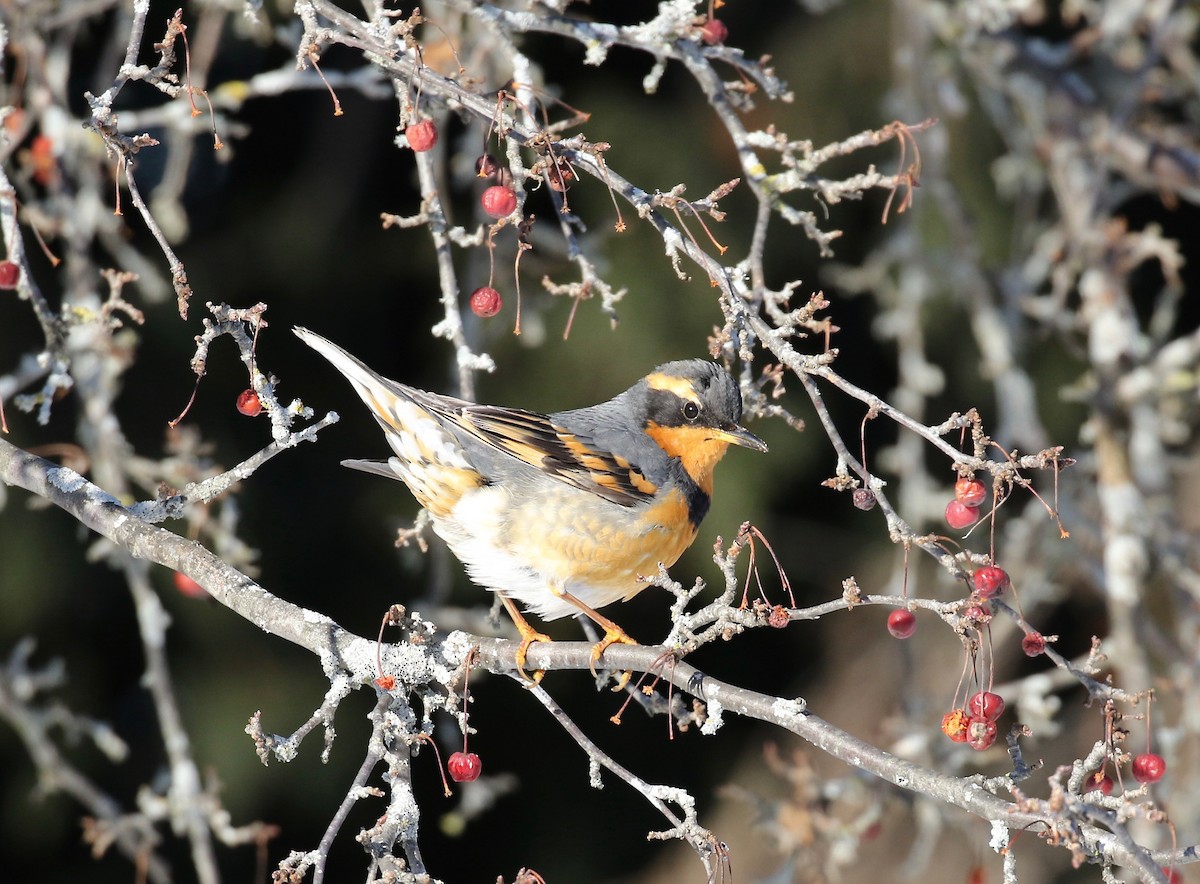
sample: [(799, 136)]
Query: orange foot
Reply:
[(529, 635), (528, 638), (613, 635)]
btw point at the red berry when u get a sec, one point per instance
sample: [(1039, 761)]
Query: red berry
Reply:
[(986, 705), (1149, 768), (248, 404), (1174, 876), (1033, 644), (713, 32), (970, 492), (959, 515), (498, 201), (422, 135), (902, 623), (954, 725), (485, 301), (185, 585), (10, 272), (981, 734), (990, 581), (1098, 782), (464, 767)]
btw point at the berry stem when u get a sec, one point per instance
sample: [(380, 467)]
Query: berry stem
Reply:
[(491, 247), (425, 738), (393, 617), (469, 662), (1149, 703)]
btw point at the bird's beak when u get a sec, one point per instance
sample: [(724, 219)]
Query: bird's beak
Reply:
[(739, 436)]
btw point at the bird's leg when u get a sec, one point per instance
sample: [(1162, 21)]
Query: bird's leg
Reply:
[(613, 634), (529, 635)]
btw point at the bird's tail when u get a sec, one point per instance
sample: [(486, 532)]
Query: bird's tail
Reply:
[(429, 459), (378, 392)]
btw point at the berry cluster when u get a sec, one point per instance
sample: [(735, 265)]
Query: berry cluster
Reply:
[(1148, 767), (498, 201), (963, 510), (975, 725)]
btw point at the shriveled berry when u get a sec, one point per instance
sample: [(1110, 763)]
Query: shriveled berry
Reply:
[(1098, 782), (959, 515), (981, 734), (185, 585), (486, 166), (902, 623), (970, 492), (978, 615), (464, 767), (561, 176), (386, 682), (10, 272), (1149, 767), (713, 32), (778, 617), (990, 581), (485, 301), (248, 404), (422, 135), (498, 201), (985, 705), (864, 498), (1033, 644), (954, 725)]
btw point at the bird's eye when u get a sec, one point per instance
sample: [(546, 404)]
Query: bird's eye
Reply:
[(691, 410)]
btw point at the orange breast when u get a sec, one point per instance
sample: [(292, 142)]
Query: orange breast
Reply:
[(596, 548)]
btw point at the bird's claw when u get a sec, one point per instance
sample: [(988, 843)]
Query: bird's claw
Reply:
[(528, 639), (612, 636)]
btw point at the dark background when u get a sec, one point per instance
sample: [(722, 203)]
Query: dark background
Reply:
[(289, 215)]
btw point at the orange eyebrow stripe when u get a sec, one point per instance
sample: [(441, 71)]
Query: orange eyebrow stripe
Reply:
[(681, 387)]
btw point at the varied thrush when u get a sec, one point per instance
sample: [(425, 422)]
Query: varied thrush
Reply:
[(567, 512)]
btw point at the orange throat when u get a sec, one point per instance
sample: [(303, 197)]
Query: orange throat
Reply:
[(696, 450)]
